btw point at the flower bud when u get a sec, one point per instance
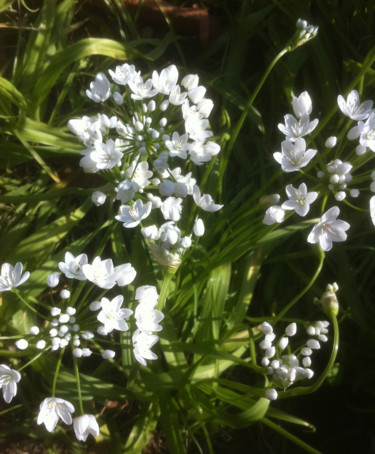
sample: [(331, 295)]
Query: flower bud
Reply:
[(271, 394), (98, 198), (328, 301), (53, 280), (198, 227)]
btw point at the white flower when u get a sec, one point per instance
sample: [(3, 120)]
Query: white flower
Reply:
[(274, 214), (166, 81), (178, 145), (8, 382), (72, 267), (190, 81), (171, 208), (293, 128), (302, 105), (103, 274), (147, 295), (12, 277), (141, 89), (367, 136), (299, 199), (139, 173), (351, 107), (84, 426), (329, 229), (205, 201), (100, 89), (142, 344), (294, 155), (52, 409), (105, 155), (112, 315), (126, 191), (123, 74), (196, 94), (131, 216), (147, 318)]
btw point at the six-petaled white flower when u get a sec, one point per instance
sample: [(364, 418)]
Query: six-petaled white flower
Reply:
[(293, 155), (329, 229), (142, 343), (352, 108), (8, 382), (112, 315), (132, 215), (52, 409), (299, 199), (12, 277)]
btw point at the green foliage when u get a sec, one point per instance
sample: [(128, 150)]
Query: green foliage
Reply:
[(240, 274)]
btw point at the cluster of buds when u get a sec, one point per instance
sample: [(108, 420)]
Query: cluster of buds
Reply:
[(158, 130), (284, 369)]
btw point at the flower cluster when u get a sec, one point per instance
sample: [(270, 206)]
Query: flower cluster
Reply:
[(285, 369), (334, 178), (159, 129), (73, 322), (74, 326)]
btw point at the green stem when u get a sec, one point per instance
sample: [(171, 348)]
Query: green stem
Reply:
[(76, 370), (18, 294), (243, 116), (289, 436), (32, 360), (164, 291), (59, 361), (308, 286)]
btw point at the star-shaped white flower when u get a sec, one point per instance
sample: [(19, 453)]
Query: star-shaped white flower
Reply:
[(352, 108), (142, 343), (295, 128), (12, 277), (103, 274), (329, 229), (299, 199), (131, 216), (52, 409), (112, 315), (105, 155), (100, 89), (294, 155), (72, 267), (8, 382)]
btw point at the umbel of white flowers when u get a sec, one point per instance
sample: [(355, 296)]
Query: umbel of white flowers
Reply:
[(161, 126), (68, 326)]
